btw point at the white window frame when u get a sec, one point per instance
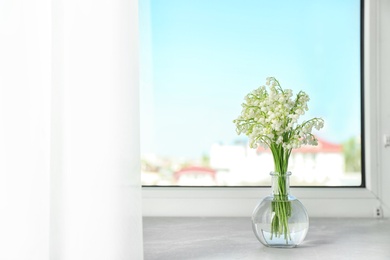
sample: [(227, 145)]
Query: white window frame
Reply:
[(320, 202)]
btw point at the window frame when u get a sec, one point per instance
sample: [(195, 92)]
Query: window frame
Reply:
[(335, 201)]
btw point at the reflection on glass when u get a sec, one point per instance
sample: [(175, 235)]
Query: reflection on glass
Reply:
[(200, 58)]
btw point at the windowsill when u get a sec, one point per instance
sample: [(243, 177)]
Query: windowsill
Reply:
[(232, 238), (239, 202)]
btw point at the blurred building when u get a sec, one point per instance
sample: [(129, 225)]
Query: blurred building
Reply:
[(311, 165)]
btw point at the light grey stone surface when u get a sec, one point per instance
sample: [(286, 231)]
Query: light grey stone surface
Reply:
[(232, 238)]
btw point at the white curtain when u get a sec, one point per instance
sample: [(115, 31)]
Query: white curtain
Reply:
[(69, 149)]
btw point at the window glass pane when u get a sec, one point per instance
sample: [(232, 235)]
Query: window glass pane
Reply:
[(200, 58)]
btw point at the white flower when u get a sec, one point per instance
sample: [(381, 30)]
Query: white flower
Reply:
[(299, 111), (267, 116)]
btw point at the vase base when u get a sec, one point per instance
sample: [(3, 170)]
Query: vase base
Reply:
[(263, 234), (281, 246)]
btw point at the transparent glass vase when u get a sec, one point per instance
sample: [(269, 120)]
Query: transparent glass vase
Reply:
[(280, 219)]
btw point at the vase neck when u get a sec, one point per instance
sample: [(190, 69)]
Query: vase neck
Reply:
[(280, 183)]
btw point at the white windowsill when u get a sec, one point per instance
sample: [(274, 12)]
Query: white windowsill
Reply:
[(232, 238), (329, 202)]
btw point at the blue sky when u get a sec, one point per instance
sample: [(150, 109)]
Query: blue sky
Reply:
[(199, 58)]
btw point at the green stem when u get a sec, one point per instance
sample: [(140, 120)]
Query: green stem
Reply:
[(281, 207)]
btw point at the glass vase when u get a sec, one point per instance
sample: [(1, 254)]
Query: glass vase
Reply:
[(280, 219)]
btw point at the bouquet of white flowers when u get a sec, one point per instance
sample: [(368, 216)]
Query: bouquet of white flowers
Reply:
[(270, 119)]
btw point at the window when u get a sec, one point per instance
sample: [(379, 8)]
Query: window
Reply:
[(200, 58)]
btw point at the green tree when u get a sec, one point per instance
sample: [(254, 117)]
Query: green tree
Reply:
[(352, 155)]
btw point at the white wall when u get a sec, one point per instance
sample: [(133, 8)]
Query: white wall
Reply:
[(69, 138), (25, 65), (95, 198)]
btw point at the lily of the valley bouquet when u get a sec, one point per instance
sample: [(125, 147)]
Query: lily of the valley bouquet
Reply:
[(270, 119)]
